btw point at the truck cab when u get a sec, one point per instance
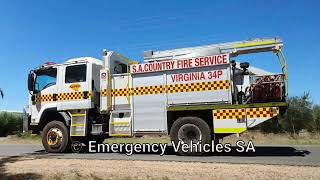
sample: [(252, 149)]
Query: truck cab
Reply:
[(57, 90), (61, 87)]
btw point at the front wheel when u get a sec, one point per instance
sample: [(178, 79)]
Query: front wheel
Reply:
[(55, 137)]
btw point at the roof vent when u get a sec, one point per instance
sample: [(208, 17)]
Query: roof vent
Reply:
[(147, 54)]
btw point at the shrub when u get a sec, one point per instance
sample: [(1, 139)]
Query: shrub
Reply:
[(10, 123)]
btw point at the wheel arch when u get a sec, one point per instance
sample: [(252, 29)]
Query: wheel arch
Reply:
[(52, 114)]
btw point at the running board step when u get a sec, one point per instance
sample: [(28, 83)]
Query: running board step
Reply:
[(78, 124), (120, 124)]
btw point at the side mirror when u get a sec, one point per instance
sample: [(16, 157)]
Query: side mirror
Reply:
[(31, 81), (245, 66)]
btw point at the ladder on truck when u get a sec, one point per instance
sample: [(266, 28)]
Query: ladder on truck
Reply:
[(232, 48)]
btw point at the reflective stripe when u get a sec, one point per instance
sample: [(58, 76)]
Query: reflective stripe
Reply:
[(44, 98), (77, 135), (121, 135), (170, 88), (73, 96), (78, 115), (120, 123), (229, 130), (78, 125), (259, 112), (40, 98), (254, 44), (264, 112), (238, 106), (229, 114), (104, 92)]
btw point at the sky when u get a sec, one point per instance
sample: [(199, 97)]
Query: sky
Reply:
[(34, 32)]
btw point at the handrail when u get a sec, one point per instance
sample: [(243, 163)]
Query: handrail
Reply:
[(286, 70), (110, 90), (284, 67), (129, 74)]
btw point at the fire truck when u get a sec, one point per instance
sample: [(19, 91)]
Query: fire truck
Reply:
[(199, 94)]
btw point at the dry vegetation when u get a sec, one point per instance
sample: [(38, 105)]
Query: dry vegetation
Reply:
[(26, 139), (276, 139), (28, 168)]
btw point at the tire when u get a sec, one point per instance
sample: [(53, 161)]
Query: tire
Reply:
[(186, 129), (55, 137)]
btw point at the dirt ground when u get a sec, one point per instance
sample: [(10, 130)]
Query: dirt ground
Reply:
[(28, 168)]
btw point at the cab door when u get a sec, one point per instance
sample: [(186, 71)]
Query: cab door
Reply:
[(45, 87), (75, 87)]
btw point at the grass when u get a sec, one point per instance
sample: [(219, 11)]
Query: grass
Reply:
[(258, 138), (21, 138)]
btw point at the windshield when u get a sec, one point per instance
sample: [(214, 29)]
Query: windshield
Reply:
[(45, 79)]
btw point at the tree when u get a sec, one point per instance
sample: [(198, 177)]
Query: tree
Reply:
[(316, 118), (299, 115)]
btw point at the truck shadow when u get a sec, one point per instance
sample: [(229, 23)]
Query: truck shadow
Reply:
[(262, 151), (235, 151)]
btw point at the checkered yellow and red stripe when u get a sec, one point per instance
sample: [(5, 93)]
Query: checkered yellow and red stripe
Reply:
[(71, 96), (263, 112), (171, 88), (198, 86), (121, 92), (143, 90), (62, 97), (230, 114), (104, 92), (44, 98)]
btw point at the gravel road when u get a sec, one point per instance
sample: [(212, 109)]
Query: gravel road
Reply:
[(281, 155)]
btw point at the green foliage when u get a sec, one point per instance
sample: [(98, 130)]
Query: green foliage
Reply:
[(10, 123), (316, 118), (300, 115), (270, 126)]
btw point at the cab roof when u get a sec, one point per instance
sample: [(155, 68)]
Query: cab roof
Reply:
[(72, 61)]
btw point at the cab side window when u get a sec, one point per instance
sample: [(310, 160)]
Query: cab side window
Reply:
[(45, 78), (76, 73), (120, 68)]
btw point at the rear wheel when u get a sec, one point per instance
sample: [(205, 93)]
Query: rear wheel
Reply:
[(55, 137), (190, 129)]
